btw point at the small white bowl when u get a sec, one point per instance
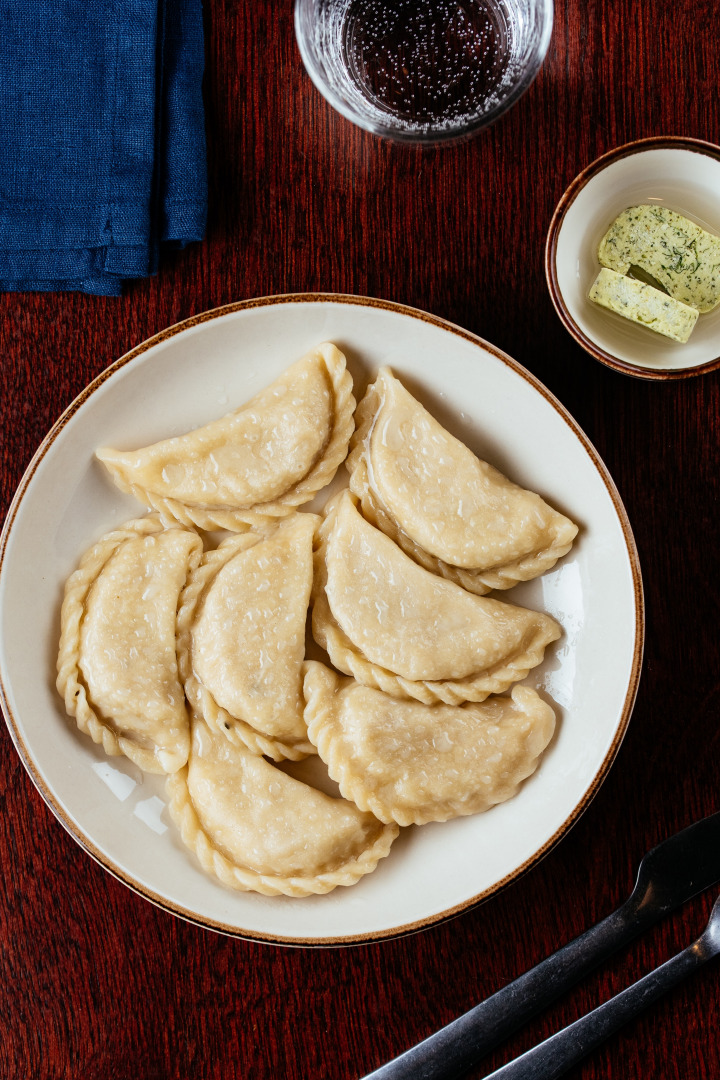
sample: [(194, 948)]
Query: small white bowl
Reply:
[(683, 174)]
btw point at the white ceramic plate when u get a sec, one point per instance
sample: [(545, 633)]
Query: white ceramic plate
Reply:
[(682, 174), (203, 368)]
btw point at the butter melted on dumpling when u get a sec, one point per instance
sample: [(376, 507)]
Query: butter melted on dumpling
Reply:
[(258, 462), (412, 763), (241, 638), (258, 829), (451, 512), (117, 663), (394, 625)]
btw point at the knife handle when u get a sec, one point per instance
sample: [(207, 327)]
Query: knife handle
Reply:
[(454, 1049), (554, 1056)]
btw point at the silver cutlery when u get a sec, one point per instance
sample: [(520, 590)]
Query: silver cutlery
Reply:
[(668, 876), (554, 1056)]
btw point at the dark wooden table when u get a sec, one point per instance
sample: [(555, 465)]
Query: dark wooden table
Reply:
[(97, 983)]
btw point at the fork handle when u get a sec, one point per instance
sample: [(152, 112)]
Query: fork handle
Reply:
[(454, 1049), (554, 1056)]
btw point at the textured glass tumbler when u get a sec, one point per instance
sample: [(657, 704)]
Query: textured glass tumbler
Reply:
[(423, 71)]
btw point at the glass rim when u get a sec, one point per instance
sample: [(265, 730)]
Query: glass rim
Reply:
[(450, 133)]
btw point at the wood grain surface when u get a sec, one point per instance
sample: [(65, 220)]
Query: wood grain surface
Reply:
[(95, 982)]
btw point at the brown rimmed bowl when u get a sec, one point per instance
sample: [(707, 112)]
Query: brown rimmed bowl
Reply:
[(203, 368), (680, 173)]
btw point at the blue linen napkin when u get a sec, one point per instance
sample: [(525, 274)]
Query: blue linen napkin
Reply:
[(102, 140)]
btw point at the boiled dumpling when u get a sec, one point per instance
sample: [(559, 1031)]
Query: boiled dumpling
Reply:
[(393, 625), (258, 829), (255, 464), (451, 512), (408, 762), (241, 637), (117, 664)]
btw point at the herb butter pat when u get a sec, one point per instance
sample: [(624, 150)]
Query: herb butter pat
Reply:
[(676, 252), (643, 304)]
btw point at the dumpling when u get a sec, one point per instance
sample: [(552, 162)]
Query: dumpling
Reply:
[(393, 625), (412, 763), (451, 512), (241, 637), (258, 829), (117, 664), (254, 464)]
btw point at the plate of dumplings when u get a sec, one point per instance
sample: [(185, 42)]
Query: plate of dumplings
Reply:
[(322, 620)]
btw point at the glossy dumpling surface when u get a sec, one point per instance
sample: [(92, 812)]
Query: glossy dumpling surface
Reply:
[(117, 664), (256, 463), (394, 625), (258, 829), (409, 762), (241, 637), (452, 512)]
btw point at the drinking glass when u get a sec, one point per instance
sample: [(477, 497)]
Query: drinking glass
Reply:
[(423, 71)]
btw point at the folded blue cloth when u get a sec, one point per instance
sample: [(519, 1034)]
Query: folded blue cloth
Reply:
[(102, 140)]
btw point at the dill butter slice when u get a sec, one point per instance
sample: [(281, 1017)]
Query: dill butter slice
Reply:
[(684, 258), (643, 304)]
